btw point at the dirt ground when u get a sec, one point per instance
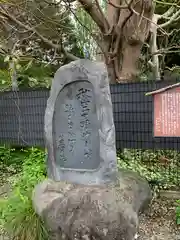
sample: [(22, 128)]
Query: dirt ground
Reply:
[(158, 224)]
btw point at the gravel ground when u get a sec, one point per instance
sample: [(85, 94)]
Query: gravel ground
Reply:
[(159, 223)]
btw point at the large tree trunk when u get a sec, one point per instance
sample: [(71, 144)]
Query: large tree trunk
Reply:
[(128, 30)]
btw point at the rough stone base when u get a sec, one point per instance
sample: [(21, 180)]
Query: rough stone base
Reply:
[(74, 211)]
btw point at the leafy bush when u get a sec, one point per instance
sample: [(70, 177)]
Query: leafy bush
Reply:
[(11, 159), (159, 165), (178, 212), (18, 217)]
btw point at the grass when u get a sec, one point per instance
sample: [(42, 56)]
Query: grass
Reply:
[(11, 162), (18, 217), (178, 212), (20, 220)]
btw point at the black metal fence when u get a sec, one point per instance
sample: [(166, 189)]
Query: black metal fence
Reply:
[(22, 124)]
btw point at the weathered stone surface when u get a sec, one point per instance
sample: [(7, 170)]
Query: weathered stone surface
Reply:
[(93, 212), (79, 127), (137, 188)]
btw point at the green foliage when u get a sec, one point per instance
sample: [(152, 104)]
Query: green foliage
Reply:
[(160, 165), (12, 159), (4, 79), (83, 31), (18, 217), (178, 212), (29, 72), (33, 170), (35, 74), (21, 220)]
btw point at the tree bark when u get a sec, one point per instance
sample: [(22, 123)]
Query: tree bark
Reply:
[(129, 25)]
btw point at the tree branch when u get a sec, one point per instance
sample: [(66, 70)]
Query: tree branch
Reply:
[(168, 12), (117, 5), (173, 18), (152, 22), (155, 52), (95, 13), (129, 6), (166, 50), (106, 23), (168, 3), (33, 30), (94, 36), (154, 48)]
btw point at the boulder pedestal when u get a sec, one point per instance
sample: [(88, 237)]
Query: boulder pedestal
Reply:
[(73, 211)]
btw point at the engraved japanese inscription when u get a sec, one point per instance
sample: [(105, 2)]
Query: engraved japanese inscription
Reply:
[(75, 127)]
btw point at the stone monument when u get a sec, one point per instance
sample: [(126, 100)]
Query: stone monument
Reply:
[(85, 196), (79, 127)]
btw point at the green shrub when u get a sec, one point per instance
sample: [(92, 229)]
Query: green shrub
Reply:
[(11, 159), (149, 164), (178, 212), (18, 217)]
